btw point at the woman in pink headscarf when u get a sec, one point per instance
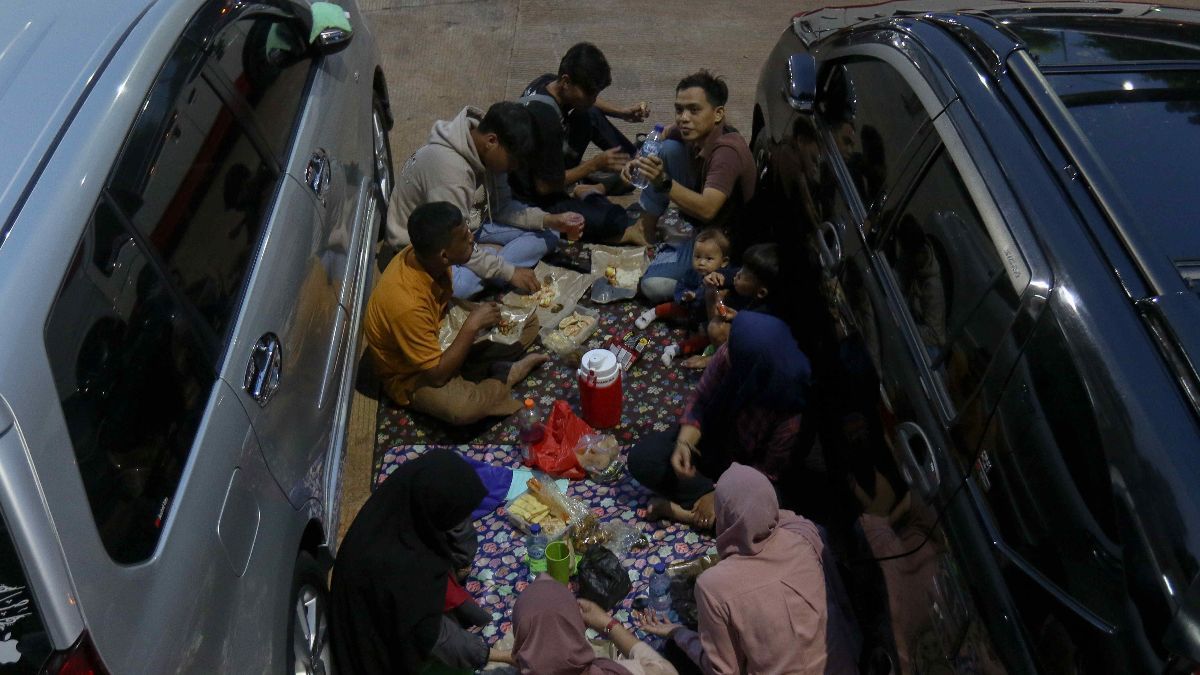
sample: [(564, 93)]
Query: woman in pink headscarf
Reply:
[(548, 638), (763, 608)]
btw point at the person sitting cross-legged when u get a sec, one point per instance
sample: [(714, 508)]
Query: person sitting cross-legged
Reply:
[(464, 383)]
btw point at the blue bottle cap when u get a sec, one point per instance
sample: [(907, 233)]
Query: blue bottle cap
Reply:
[(658, 127), (659, 568), (535, 529)]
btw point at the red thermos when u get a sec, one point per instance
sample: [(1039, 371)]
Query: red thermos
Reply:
[(600, 389)]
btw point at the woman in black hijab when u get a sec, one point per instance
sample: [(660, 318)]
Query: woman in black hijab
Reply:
[(389, 582)]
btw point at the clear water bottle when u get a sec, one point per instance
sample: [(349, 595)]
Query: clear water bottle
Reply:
[(535, 551), (530, 428), (660, 589), (650, 148)]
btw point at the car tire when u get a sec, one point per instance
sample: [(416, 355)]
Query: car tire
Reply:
[(384, 175), (308, 619)]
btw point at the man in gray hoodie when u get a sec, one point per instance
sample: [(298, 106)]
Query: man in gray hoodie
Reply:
[(464, 162)]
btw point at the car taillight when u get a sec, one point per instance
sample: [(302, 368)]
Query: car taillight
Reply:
[(80, 659)]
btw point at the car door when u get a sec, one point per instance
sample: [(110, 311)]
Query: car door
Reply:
[(291, 326)]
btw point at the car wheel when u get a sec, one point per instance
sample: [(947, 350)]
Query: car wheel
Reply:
[(384, 180), (308, 626)]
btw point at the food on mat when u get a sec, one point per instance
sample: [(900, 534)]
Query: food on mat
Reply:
[(588, 533), (529, 508), (597, 451), (611, 274), (507, 325), (575, 324), (544, 495), (558, 342), (626, 278)]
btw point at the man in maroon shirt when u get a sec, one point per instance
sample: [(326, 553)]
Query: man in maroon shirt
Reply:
[(704, 168)]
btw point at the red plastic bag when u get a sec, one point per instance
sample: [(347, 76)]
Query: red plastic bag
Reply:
[(555, 453)]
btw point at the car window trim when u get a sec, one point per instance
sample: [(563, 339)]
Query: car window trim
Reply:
[(241, 107), (208, 338)]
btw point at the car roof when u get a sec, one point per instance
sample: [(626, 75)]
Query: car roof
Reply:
[(51, 52)]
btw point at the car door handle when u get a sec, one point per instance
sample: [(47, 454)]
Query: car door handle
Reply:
[(829, 245), (316, 175), (920, 468), (264, 370)]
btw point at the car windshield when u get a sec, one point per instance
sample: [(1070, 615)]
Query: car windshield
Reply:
[(1145, 126)]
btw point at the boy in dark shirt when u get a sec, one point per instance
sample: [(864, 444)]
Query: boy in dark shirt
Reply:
[(567, 116)]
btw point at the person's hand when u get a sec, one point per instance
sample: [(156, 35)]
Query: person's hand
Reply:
[(651, 168), (687, 296), (636, 113), (524, 279), (703, 511), (484, 315), (714, 280), (654, 623), (594, 616), (612, 159), (583, 190), (569, 223), (681, 460)]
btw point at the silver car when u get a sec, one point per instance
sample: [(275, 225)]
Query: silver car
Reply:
[(189, 199)]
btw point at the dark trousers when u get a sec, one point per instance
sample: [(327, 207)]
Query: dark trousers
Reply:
[(604, 221), (606, 136), (650, 464)]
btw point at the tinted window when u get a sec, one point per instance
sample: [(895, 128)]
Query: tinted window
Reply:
[(133, 381), (872, 115), (197, 191), (1135, 121), (263, 57), (951, 276)]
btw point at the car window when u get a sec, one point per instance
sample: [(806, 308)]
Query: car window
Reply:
[(951, 276), (197, 191), (872, 114), (133, 380), (264, 58)]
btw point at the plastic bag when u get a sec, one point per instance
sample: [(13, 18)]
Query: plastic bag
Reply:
[(622, 538), (602, 579), (569, 509), (598, 455), (555, 453)]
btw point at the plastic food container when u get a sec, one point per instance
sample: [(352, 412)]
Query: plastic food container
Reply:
[(563, 344), (523, 525)]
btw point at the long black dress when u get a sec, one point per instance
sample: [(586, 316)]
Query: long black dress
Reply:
[(389, 582)]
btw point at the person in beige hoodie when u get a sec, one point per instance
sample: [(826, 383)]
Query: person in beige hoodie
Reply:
[(464, 162)]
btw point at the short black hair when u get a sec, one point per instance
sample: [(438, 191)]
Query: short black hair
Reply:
[(586, 66), (714, 87), (762, 260), (513, 126), (431, 227)]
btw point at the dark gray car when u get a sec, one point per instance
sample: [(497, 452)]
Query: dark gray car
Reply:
[(190, 195)]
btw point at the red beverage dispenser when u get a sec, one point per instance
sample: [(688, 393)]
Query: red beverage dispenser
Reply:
[(600, 389)]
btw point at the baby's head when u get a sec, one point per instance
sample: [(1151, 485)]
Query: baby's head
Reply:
[(759, 273), (711, 251)]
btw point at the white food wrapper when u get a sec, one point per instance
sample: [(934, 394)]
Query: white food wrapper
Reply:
[(561, 291), (512, 324), (628, 265)]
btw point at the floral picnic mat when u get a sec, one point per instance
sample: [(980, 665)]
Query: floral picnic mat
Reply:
[(500, 574)]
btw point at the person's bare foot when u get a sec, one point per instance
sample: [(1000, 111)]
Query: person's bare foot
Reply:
[(697, 362), (663, 509), (522, 368)]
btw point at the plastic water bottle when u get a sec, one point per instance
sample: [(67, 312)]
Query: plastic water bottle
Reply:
[(650, 148), (530, 429), (535, 551), (660, 589)]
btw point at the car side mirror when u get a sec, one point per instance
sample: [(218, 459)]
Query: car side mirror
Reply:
[(801, 82), (331, 31)]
